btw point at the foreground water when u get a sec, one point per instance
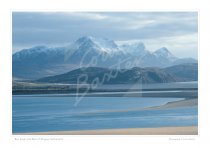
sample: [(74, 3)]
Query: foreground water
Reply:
[(42, 113)]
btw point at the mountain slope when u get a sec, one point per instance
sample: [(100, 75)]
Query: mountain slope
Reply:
[(184, 72), (111, 76), (37, 62)]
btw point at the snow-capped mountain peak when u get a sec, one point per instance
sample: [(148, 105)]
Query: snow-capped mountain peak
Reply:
[(30, 51), (164, 52), (100, 44), (35, 49), (137, 48), (83, 39)]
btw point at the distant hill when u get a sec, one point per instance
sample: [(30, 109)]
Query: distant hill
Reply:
[(186, 72)]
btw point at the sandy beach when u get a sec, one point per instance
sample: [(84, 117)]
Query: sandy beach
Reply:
[(183, 130)]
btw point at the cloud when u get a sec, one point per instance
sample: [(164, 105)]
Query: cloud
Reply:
[(181, 46), (87, 15), (32, 28)]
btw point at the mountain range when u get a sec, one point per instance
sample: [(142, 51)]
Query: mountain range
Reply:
[(92, 75), (42, 61)]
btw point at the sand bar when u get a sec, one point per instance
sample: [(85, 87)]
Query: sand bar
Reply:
[(182, 130)]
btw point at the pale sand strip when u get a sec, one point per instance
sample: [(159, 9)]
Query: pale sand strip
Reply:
[(182, 130), (181, 103)]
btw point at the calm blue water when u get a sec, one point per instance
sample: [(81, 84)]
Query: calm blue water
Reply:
[(42, 113)]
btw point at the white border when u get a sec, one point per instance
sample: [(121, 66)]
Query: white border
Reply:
[(8, 6)]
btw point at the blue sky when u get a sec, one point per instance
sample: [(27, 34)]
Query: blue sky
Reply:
[(177, 31)]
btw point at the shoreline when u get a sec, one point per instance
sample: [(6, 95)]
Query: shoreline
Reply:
[(173, 94), (179, 130), (25, 88)]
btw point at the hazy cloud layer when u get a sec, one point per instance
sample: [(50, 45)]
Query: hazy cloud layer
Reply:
[(174, 30)]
